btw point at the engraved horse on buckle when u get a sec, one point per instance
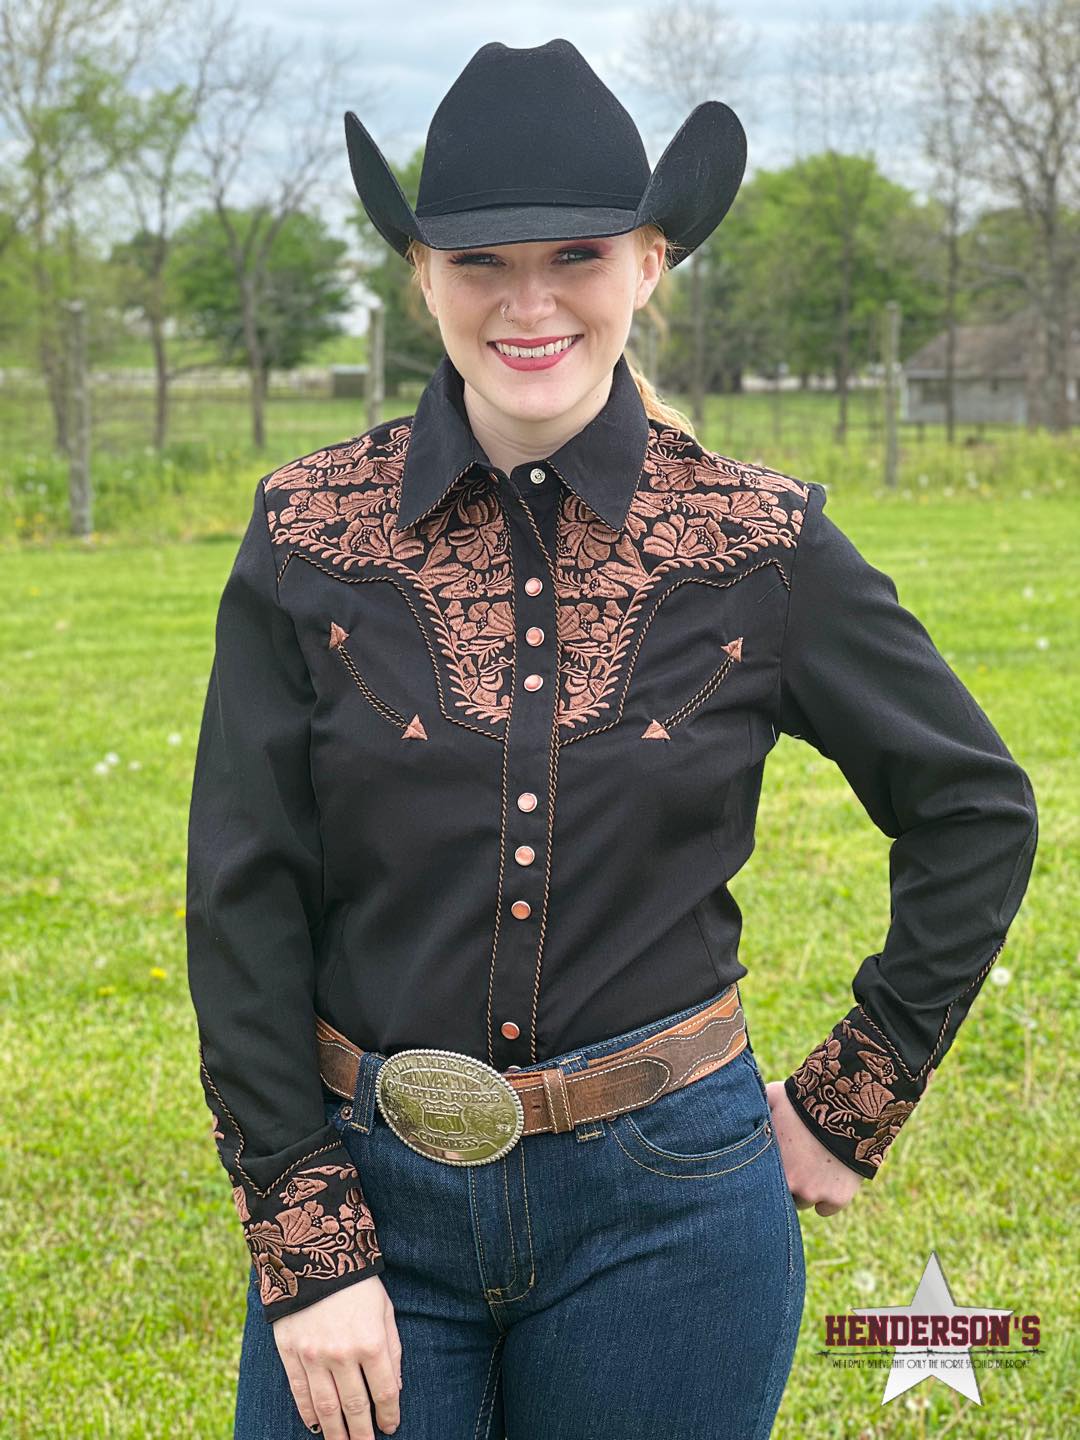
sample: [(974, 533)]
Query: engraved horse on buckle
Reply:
[(450, 1107)]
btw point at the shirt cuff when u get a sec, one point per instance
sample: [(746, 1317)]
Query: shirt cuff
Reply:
[(310, 1232), (853, 1092)]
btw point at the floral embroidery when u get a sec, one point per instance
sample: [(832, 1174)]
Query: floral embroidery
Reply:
[(694, 514), (310, 1239), (310, 1225), (851, 1088)]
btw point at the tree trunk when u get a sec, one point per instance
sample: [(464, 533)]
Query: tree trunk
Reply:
[(255, 365), (161, 381), (952, 272)]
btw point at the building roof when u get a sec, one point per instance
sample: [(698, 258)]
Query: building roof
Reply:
[(985, 351)]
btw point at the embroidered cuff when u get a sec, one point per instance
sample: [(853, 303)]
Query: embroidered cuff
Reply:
[(853, 1092), (310, 1232)]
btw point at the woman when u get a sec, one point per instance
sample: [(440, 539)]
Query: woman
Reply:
[(493, 689)]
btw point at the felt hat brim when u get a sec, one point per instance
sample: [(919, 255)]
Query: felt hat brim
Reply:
[(689, 192)]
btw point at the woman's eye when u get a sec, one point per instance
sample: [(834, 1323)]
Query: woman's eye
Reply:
[(480, 257)]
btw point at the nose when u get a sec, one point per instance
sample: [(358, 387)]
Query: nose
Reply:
[(529, 300)]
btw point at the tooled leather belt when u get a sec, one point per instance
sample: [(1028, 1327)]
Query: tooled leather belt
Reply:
[(457, 1109)]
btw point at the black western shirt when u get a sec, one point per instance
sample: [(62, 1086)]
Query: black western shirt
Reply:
[(481, 751)]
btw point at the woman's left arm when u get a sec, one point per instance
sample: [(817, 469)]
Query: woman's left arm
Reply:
[(861, 681)]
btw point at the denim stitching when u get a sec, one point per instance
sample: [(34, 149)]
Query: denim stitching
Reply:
[(499, 1289), (484, 1399), (367, 1081), (478, 1237), (506, 1299), (789, 1292), (765, 1128)]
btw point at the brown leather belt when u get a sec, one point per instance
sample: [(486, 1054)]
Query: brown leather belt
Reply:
[(551, 1100)]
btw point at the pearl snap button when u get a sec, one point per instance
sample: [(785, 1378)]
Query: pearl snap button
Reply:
[(533, 682), (537, 476), (510, 1032), (534, 635), (521, 909), (526, 800), (533, 585), (524, 855)]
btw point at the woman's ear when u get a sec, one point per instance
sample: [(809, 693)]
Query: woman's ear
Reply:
[(424, 275), (652, 267)]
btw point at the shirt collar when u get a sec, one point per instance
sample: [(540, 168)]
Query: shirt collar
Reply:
[(601, 464)]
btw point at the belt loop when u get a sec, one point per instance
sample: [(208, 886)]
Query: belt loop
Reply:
[(363, 1105), (584, 1129), (557, 1099)]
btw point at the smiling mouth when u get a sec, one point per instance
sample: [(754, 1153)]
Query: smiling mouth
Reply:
[(536, 351)]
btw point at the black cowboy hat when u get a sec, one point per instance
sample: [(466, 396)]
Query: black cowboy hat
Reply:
[(530, 144)]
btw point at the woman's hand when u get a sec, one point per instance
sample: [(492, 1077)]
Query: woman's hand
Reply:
[(814, 1175), (330, 1348)]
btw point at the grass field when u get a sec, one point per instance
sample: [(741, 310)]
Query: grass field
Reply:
[(122, 1290)]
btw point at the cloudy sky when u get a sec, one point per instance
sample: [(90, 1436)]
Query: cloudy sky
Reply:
[(856, 61), (408, 55)]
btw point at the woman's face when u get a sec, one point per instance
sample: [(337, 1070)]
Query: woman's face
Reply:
[(584, 291)]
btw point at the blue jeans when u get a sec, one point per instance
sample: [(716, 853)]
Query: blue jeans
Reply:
[(637, 1277)]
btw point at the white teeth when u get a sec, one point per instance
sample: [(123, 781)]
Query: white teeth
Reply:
[(536, 351)]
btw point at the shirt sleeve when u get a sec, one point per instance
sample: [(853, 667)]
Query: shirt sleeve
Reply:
[(862, 681), (254, 902)]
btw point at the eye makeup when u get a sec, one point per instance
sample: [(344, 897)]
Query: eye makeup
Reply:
[(592, 250)]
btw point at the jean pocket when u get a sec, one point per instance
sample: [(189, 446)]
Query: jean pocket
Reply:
[(708, 1127), (748, 1056)]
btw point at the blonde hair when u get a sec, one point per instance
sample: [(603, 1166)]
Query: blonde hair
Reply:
[(655, 407)]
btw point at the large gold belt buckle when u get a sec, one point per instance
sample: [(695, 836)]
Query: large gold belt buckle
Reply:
[(449, 1107)]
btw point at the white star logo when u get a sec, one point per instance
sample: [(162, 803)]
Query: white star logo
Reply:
[(950, 1363)]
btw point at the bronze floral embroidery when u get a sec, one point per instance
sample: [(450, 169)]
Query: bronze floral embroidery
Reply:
[(310, 1226), (310, 1239), (695, 515), (851, 1088)]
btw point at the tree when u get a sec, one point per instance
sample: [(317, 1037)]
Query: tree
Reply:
[(411, 335), (805, 278), (301, 287), (147, 152), (685, 53), (274, 143), (1019, 70), (950, 141), (63, 64), (839, 88)]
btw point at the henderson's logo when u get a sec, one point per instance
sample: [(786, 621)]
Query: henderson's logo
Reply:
[(931, 1337)]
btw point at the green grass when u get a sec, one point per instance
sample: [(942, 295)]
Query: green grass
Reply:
[(122, 1291)]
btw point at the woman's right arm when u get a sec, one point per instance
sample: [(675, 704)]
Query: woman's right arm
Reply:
[(254, 898)]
